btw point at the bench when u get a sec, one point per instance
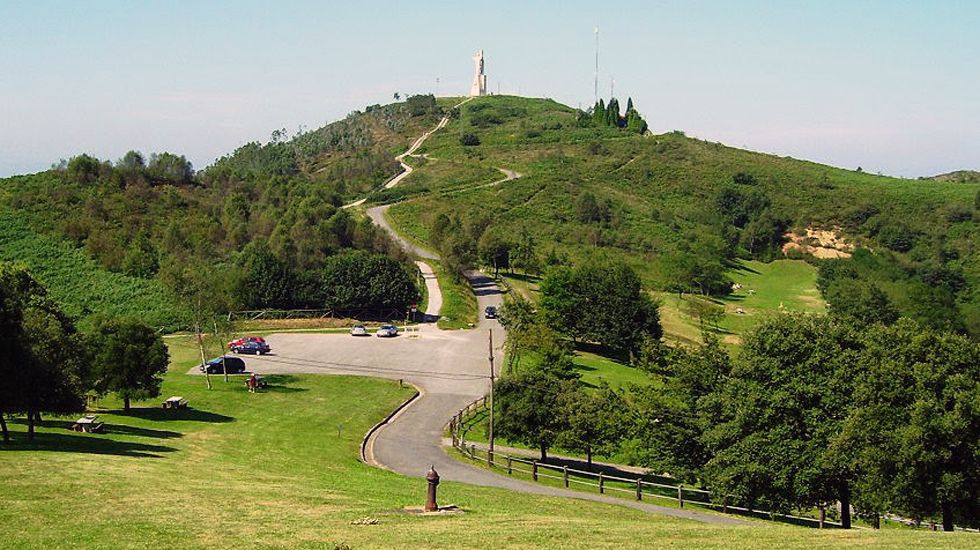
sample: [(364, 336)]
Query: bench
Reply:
[(175, 402), (88, 424)]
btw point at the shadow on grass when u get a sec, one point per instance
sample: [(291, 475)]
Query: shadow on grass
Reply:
[(89, 444), (109, 428), (166, 415), (739, 265), (277, 383)]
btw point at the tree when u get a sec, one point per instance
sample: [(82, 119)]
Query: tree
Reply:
[(266, 280), (524, 254), (128, 358), (860, 301), (356, 280), (43, 366), (595, 421), (779, 413), (494, 251), (601, 303), (599, 113), (528, 402), (913, 435), (170, 169)]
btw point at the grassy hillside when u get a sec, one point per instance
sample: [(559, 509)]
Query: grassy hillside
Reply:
[(274, 205), (677, 208), (279, 469), (80, 285)]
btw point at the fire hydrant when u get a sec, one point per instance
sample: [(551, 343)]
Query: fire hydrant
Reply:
[(430, 501)]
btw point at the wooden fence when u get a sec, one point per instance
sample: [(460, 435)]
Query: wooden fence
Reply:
[(384, 314), (637, 487)]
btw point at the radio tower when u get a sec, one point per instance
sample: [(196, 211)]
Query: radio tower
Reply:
[(596, 65)]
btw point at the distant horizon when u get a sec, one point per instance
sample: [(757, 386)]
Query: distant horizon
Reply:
[(198, 168), (888, 87)]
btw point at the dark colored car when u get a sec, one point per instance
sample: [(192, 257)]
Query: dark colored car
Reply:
[(490, 312), (232, 364), (253, 347)]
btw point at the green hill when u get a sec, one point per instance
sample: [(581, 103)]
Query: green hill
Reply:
[(80, 284), (684, 211)]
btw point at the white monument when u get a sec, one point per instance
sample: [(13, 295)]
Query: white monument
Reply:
[(479, 86)]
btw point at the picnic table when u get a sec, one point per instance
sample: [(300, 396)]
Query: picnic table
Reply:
[(175, 402), (88, 424)]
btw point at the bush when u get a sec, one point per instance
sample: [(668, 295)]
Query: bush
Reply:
[(469, 140)]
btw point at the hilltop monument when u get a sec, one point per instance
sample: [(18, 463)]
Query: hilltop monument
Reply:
[(479, 86)]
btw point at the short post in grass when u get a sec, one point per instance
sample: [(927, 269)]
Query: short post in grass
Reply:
[(564, 475), (602, 486), (639, 489), (823, 516), (432, 478), (510, 469), (534, 470), (680, 495), (490, 458)]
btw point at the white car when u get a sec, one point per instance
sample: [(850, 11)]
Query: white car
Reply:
[(387, 331), (358, 330)]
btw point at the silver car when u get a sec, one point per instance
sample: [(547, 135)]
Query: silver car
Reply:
[(358, 330), (387, 331)]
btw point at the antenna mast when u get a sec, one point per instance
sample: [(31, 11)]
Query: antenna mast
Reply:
[(597, 65)]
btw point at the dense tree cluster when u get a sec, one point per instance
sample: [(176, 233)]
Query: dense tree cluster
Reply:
[(602, 303), (811, 412), (609, 115), (49, 367), (154, 217)]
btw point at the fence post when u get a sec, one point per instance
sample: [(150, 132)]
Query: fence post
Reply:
[(510, 470), (534, 470), (823, 516), (473, 450), (602, 487), (564, 475), (489, 458), (680, 495), (639, 489), (724, 506)]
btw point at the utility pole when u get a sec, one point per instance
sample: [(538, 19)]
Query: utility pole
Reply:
[(597, 65), (200, 345), (224, 368), (491, 392)]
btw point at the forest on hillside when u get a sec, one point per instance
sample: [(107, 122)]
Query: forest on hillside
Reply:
[(262, 227)]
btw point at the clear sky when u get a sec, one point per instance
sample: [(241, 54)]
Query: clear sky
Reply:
[(889, 85)]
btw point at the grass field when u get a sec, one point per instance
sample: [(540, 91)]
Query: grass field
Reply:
[(767, 288), (278, 469), (79, 284), (459, 305)]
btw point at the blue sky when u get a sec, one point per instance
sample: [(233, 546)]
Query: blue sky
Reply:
[(891, 86)]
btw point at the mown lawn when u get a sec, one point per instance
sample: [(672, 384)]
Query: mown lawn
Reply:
[(279, 469)]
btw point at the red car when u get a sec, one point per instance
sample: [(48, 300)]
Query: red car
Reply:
[(249, 344)]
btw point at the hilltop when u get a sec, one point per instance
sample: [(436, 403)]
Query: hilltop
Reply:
[(958, 176), (684, 212)]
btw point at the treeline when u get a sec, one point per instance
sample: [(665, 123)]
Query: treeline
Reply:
[(812, 411), (49, 367), (157, 218), (602, 114)]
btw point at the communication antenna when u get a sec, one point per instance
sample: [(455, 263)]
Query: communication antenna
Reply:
[(612, 87), (597, 64)]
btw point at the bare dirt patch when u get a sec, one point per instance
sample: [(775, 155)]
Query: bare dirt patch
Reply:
[(819, 243)]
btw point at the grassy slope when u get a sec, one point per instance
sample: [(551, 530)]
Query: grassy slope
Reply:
[(661, 187), (79, 283), (782, 285), (269, 470)]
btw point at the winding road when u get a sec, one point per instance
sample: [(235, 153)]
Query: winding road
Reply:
[(449, 368)]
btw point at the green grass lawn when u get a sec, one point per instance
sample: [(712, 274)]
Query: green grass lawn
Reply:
[(279, 469), (767, 288), (459, 305)]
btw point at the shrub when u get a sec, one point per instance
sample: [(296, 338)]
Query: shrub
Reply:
[(469, 140)]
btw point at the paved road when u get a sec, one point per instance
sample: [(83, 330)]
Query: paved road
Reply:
[(432, 289)]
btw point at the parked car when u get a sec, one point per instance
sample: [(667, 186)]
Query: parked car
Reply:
[(232, 364), (245, 339), (387, 331), (358, 330), (490, 312), (252, 347)]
